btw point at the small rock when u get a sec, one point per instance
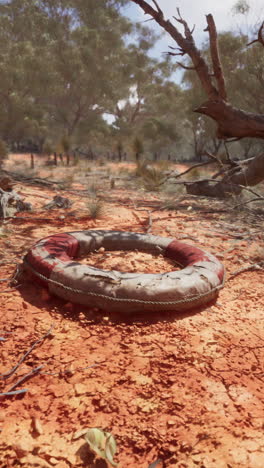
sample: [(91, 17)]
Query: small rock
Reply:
[(37, 426), (69, 370), (23, 447), (80, 389), (171, 422)]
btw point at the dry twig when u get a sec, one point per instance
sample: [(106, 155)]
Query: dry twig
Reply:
[(256, 266), (150, 221), (22, 359)]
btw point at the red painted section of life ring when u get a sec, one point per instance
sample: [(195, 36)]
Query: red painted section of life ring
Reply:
[(60, 246), (188, 255), (63, 246)]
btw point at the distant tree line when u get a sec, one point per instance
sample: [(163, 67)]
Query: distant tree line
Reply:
[(77, 75)]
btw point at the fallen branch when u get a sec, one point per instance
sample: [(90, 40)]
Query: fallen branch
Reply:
[(247, 202), (206, 163), (26, 377), (256, 266), (13, 218), (15, 392), (33, 180), (217, 182), (23, 358)]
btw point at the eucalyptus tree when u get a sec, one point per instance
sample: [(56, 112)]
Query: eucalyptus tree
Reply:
[(152, 112), (23, 70), (61, 65), (88, 50)]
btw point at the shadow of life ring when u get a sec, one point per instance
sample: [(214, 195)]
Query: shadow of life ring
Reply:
[(51, 260)]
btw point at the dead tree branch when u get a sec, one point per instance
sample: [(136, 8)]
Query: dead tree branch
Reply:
[(260, 37), (231, 122), (186, 44), (217, 67)]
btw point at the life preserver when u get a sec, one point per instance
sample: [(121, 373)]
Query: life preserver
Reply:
[(52, 261)]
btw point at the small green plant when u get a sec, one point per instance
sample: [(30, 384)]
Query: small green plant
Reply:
[(95, 208)]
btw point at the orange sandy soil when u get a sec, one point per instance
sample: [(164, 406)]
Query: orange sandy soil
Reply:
[(184, 388)]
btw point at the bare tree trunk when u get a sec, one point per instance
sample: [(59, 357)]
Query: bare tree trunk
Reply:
[(231, 122)]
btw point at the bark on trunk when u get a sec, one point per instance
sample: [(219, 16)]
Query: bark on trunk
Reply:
[(233, 122)]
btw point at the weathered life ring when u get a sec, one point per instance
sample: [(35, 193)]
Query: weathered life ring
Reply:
[(52, 261)]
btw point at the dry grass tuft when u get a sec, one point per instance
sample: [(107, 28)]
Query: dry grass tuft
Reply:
[(152, 177), (95, 208)]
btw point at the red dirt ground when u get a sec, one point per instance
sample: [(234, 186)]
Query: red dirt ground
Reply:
[(184, 388)]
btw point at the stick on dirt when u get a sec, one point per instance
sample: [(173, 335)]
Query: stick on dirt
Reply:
[(26, 377), (15, 392), (22, 359), (247, 268)]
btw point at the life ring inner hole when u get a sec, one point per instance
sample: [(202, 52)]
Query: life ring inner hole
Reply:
[(129, 261)]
